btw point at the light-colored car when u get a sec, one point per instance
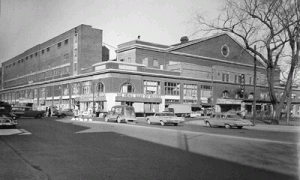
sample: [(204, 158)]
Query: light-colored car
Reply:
[(228, 120), (164, 118), (64, 113), (25, 111), (121, 113), (7, 122), (195, 114)]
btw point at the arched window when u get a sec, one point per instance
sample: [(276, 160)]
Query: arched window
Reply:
[(251, 95), (99, 87), (127, 88), (225, 94)]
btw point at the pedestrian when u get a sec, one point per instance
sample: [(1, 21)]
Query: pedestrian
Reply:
[(46, 112), (49, 112)]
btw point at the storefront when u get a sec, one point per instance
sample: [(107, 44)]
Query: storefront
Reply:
[(88, 101), (224, 105), (142, 103)]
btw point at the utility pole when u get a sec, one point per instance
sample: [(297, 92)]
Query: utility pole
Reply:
[(254, 93)]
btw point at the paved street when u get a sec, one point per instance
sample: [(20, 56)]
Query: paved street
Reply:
[(52, 148)]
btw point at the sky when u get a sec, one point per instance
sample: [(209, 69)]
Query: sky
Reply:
[(26, 23)]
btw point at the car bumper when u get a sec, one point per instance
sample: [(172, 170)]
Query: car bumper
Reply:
[(173, 121)]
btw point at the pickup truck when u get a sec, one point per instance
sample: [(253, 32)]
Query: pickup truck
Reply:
[(25, 111), (164, 118)]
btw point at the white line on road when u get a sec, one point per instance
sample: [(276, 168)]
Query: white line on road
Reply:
[(195, 133)]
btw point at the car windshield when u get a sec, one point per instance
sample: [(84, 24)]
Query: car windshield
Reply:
[(168, 114)]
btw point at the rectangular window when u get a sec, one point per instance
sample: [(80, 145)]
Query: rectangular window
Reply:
[(152, 87), (66, 42), (31, 56), (43, 51), (36, 54), (75, 52), (206, 91), (190, 90), (236, 79), (223, 77), (66, 57), (172, 88), (86, 87), (145, 62), (227, 77), (155, 63), (250, 80), (75, 66), (59, 45), (48, 49)]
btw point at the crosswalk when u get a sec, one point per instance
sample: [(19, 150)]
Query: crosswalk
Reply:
[(7, 132)]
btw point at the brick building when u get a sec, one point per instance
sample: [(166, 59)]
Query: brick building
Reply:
[(73, 69)]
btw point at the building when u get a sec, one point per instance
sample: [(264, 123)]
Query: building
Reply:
[(209, 72)]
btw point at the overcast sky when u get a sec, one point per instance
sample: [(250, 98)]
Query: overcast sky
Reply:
[(26, 23)]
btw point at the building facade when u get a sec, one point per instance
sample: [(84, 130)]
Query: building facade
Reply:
[(213, 72)]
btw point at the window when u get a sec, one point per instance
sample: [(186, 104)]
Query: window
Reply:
[(225, 50), (31, 55), (75, 66), (122, 60), (66, 42), (225, 94), (172, 88), (190, 90), (48, 49), (36, 54), (66, 57), (250, 80), (43, 51), (145, 61), (152, 87), (86, 87), (23, 60), (99, 87), (14, 64), (225, 77), (206, 91), (59, 45), (155, 63), (127, 88), (75, 88), (235, 78)]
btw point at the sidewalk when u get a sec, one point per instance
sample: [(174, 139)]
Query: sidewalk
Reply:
[(14, 167), (263, 127)]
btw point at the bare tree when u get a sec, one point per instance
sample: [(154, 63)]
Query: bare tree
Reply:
[(271, 25)]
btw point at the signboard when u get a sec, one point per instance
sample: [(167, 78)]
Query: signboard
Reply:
[(228, 101), (134, 95), (242, 83)]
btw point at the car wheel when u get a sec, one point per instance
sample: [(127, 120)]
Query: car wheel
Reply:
[(63, 115), (38, 116), (175, 124), (240, 127), (162, 123), (149, 122), (119, 120), (106, 119), (227, 126), (208, 124)]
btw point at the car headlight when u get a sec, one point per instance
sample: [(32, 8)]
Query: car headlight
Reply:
[(14, 118)]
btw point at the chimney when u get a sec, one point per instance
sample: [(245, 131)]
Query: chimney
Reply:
[(184, 39)]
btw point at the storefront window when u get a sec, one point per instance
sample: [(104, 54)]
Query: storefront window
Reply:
[(151, 107), (151, 87), (99, 87), (35, 93), (250, 96), (127, 88), (75, 88), (42, 92), (172, 88), (206, 91), (57, 90), (65, 88), (190, 90), (86, 87), (30, 94)]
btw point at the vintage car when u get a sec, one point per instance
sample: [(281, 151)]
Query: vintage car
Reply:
[(164, 118), (63, 113), (121, 113), (25, 111), (228, 120), (196, 114), (7, 122)]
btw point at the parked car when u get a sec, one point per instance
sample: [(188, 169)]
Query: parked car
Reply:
[(121, 113), (228, 120), (26, 111), (64, 113), (164, 118), (7, 122), (6, 109)]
